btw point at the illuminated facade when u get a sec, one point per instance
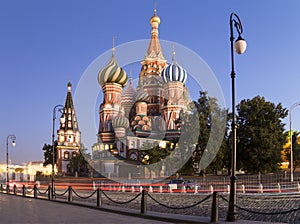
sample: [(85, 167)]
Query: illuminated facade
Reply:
[(25, 172), (131, 117)]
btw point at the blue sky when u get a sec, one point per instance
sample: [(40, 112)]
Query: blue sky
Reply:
[(43, 44)]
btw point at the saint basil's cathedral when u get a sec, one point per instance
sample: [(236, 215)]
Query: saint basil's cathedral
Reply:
[(130, 117)]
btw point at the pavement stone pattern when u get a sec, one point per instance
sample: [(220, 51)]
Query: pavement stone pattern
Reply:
[(42, 211), (272, 203)]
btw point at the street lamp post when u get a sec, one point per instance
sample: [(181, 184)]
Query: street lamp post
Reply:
[(239, 47), (13, 142), (291, 140), (60, 109)]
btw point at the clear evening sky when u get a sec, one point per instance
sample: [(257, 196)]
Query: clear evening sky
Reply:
[(44, 44)]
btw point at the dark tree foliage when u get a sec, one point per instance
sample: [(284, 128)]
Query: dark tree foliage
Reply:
[(208, 158), (79, 163), (153, 154), (260, 135), (47, 148)]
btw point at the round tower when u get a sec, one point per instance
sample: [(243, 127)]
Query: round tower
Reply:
[(112, 78), (174, 77)]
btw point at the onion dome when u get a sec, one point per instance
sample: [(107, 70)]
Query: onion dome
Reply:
[(174, 72), (120, 121), (128, 94), (141, 123), (112, 73)]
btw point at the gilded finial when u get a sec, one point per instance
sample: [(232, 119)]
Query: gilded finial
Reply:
[(155, 18)]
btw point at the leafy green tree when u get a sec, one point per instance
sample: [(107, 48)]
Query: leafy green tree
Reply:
[(193, 145), (153, 154), (260, 135), (47, 148), (212, 157)]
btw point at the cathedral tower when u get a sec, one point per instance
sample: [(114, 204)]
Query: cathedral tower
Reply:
[(152, 65), (175, 97), (112, 78)]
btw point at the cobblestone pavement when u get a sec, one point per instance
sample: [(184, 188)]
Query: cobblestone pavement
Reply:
[(252, 207), (280, 205)]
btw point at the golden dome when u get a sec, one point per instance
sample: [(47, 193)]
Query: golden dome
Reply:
[(155, 18)]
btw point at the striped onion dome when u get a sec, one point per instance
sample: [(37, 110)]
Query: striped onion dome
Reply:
[(128, 94), (112, 73), (120, 121), (174, 72)]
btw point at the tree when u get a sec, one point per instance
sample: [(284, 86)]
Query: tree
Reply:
[(47, 148), (208, 155), (199, 144), (260, 135), (152, 154), (79, 161)]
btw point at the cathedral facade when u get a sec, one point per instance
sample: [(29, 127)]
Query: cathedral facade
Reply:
[(131, 117)]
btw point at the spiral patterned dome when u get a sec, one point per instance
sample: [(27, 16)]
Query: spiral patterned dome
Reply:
[(120, 121), (112, 73), (174, 72)]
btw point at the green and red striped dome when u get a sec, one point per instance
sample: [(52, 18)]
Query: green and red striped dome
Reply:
[(112, 73)]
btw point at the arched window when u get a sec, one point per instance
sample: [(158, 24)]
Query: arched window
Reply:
[(66, 155), (74, 154)]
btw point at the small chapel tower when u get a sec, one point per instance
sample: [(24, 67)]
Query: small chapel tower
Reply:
[(68, 135)]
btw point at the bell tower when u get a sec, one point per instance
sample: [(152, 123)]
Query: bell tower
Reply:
[(68, 135)]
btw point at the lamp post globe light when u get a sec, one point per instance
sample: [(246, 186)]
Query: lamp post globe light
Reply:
[(13, 143), (239, 47), (59, 108), (291, 140)]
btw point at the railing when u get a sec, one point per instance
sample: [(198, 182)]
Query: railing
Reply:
[(280, 187), (279, 207)]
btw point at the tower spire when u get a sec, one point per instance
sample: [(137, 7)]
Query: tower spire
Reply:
[(69, 112), (154, 51), (154, 21), (69, 86)]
